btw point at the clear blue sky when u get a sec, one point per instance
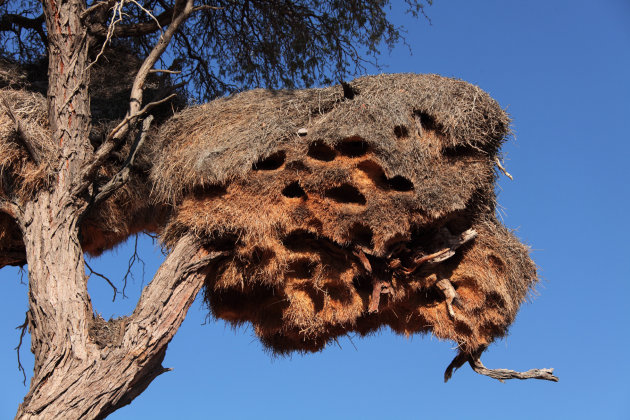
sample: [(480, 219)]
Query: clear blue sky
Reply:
[(562, 70)]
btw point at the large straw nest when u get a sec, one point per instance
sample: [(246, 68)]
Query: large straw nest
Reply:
[(316, 197)]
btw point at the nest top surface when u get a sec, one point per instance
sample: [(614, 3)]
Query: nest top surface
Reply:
[(220, 141)]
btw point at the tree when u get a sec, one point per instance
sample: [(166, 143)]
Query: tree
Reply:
[(205, 49)]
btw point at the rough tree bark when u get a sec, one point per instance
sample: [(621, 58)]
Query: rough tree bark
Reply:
[(76, 376)]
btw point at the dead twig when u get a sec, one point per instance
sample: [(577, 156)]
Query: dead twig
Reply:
[(92, 272), (500, 374), (505, 374), (446, 287), (500, 166), (22, 329), (135, 257), (122, 176)]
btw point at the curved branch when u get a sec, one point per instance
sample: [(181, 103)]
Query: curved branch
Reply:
[(499, 374)]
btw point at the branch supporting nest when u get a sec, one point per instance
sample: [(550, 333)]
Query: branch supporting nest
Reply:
[(24, 138), (499, 374), (122, 176), (453, 242), (379, 287), (447, 289)]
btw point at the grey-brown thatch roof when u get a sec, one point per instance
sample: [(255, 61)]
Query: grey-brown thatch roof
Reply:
[(221, 140), (348, 209)]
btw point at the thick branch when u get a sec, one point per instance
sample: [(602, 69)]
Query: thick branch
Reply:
[(504, 374), (500, 374), (7, 21)]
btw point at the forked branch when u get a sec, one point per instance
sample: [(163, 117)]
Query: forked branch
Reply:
[(182, 12), (122, 176)]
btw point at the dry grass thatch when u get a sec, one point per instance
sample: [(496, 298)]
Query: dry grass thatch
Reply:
[(130, 209), (348, 209)]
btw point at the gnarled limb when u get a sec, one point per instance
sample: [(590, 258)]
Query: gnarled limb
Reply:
[(503, 374), (500, 374)]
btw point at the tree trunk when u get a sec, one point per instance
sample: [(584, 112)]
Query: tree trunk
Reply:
[(85, 367), (74, 376)]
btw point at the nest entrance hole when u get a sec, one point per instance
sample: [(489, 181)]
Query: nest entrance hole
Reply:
[(346, 194), (353, 146), (294, 190), (426, 121), (361, 235), (321, 151), (375, 172), (271, 162)]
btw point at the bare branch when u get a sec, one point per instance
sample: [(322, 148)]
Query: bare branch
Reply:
[(207, 7), (159, 48), (135, 257), (29, 144), (136, 29), (22, 329), (164, 71), (135, 101), (104, 278), (9, 20), (500, 374), (116, 18), (122, 176), (108, 4), (504, 374)]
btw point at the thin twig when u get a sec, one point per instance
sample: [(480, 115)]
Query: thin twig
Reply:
[(22, 329), (500, 166), (164, 71), (104, 278), (135, 257), (116, 18)]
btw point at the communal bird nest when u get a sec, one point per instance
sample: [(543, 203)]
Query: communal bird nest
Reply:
[(346, 209)]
